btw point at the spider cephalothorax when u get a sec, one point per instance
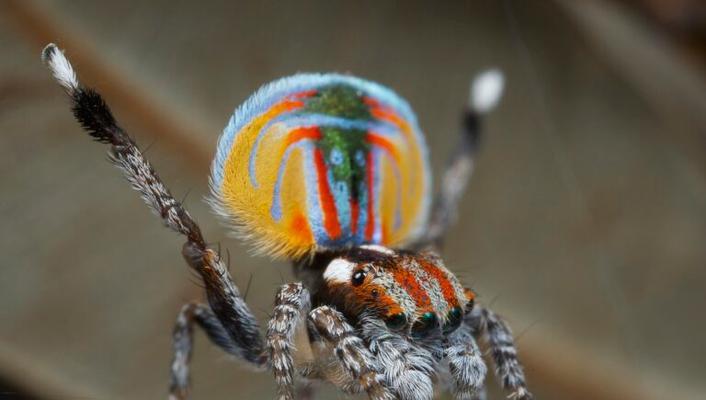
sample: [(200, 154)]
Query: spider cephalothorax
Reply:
[(330, 171), (412, 292)]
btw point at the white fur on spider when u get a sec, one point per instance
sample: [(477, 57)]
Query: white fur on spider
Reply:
[(486, 90), (339, 270), (378, 248), (60, 67)]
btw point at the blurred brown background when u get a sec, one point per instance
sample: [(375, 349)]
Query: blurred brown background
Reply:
[(584, 225)]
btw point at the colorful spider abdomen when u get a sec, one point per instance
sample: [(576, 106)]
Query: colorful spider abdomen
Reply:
[(322, 161), (411, 292)]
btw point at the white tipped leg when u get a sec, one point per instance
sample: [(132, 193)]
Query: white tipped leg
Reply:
[(486, 90), (231, 323)]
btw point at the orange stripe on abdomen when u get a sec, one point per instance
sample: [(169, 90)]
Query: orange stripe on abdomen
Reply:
[(384, 144), (384, 113), (328, 206), (302, 133), (370, 221)]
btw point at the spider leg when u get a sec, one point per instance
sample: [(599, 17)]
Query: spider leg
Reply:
[(291, 305), (201, 315), (466, 365), (225, 301), (407, 368), (485, 323), (354, 356), (485, 93)]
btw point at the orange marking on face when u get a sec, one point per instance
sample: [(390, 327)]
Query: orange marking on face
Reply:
[(470, 296), (392, 307), (447, 288), (409, 283), (375, 296)]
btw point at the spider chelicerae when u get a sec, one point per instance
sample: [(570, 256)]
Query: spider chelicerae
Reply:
[(368, 315)]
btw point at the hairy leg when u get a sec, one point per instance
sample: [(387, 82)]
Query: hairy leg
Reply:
[(332, 327), (485, 92), (291, 306), (407, 368), (201, 315), (466, 365), (488, 325), (224, 299)]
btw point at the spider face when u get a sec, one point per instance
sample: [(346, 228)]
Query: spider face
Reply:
[(413, 293)]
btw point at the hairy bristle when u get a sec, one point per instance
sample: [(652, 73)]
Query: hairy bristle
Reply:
[(60, 67), (95, 117), (88, 107)]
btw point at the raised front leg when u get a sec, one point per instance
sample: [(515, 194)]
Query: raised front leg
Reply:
[(488, 325), (486, 90), (224, 299), (291, 306)]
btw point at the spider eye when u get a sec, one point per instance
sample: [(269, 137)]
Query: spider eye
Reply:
[(425, 324), (471, 299), (396, 322), (453, 320), (471, 303), (358, 278)]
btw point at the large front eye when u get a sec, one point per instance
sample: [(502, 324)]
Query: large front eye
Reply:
[(470, 298), (396, 322), (358, 277), (453, 320), (425, 325)]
